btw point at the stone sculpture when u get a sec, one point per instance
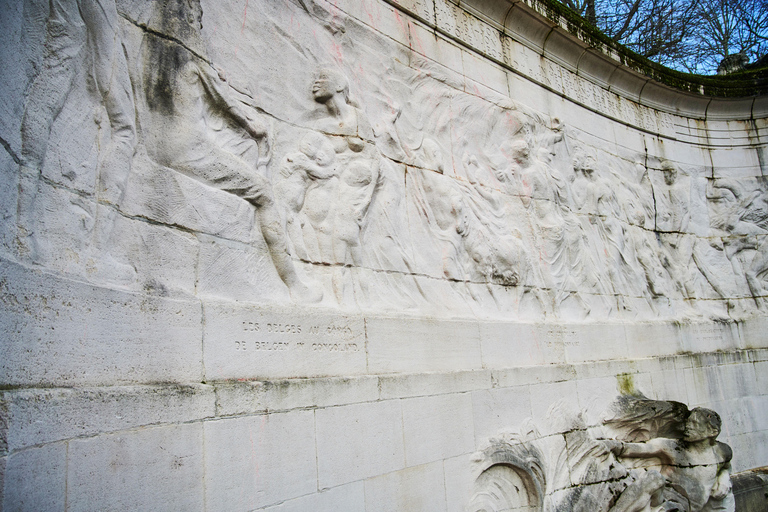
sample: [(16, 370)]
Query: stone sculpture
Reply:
[(657, 456), (80, 33), (179, 85), (500, 202)]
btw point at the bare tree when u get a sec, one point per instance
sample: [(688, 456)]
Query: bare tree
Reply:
[(730, 27), (688, 35)]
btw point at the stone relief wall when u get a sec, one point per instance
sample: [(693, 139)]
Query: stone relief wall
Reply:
[(429, 230), (321, 162)]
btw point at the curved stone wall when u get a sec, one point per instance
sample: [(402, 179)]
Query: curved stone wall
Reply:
[(388, 242)]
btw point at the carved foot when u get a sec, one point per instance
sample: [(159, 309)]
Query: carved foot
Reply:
[(304, 294)]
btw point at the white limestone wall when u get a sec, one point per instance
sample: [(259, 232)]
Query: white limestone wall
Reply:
[(195, 382), (398, 442)]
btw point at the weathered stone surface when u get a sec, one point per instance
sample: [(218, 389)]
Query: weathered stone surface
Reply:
[(146, 469), (256, 461), (60, 331), (346, 437), (368, 255)]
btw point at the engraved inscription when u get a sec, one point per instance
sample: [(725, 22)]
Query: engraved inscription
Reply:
[(302, 336)]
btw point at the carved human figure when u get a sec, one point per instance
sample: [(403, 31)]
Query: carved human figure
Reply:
[(336, 113), (78, 31), (558, 233), (443, 205), (743, 210), (601, 205), (697, 467), (637, 198), (357, 182), (495, 249), (357, 170), (179, 88), (672, 217), (302, 173)]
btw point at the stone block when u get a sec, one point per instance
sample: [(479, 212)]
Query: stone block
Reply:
[(499, 410), (427, 384), (653, 339), (255, 461), (248, 341), (592, 342), (39, 416), (344, 497), (409, 345), (507, 345), (239, 397), (534, 375), (62, 332), (752, 332), (459, 478), (437, 428), (420, 488), (709, 337), (669, 385), (319, 392), (156, 468), (359, 441), (36, 479)]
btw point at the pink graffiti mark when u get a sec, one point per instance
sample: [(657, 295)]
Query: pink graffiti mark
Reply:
[(337, 52), (242, 27), (415, 41)]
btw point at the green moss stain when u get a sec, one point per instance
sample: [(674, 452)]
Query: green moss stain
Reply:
[(626, 383)]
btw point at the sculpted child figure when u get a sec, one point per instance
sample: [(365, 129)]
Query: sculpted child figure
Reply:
[(179, 88), (305, 189), (697, 467)]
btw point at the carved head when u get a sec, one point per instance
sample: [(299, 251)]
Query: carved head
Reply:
[(433, 155), (329, 83), (519, 151), (640, 171), (670, 172), (318, 148), (587, 166), (702, 424)]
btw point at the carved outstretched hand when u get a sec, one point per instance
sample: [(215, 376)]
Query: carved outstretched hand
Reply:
[(721, 488)]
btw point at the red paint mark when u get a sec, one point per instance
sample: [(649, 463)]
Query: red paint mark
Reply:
[(245, 14), (242, 27), (415, 39), (337, 53)]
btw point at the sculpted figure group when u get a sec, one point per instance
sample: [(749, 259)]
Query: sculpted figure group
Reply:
[(495, 197), (659, 456)]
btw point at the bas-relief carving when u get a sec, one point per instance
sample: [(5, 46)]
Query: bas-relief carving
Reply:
[(646, 456), (386, 185)]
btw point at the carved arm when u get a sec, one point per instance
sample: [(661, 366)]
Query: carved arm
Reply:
[(214, 87)]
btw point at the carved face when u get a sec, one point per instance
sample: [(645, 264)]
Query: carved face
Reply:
[(325, 154), (702, 424), (195, 13), (326, 85), (520, 153), (670, 174)]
